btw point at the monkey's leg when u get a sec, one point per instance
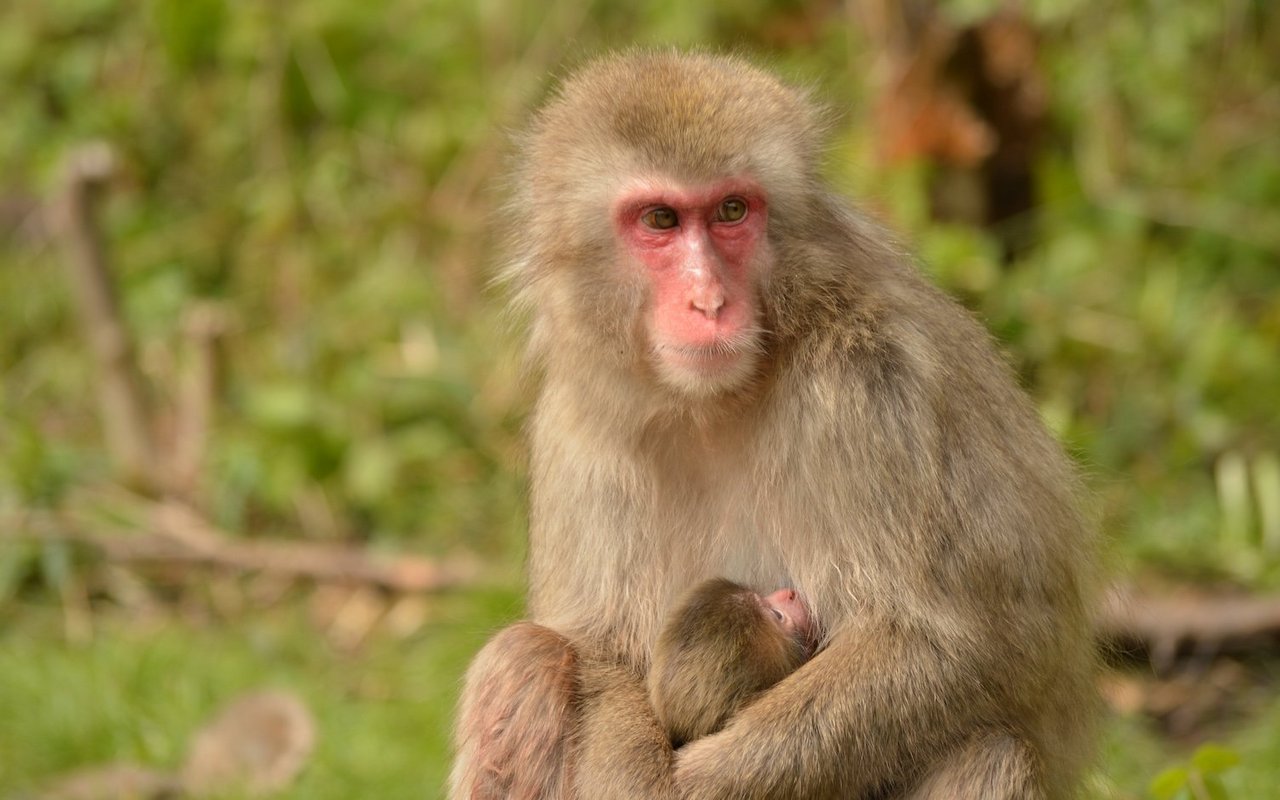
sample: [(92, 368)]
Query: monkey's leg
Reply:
[(517, 714), (622, 751), (989, 766)]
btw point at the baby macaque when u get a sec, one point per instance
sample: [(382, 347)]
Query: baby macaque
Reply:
[(722, 646)]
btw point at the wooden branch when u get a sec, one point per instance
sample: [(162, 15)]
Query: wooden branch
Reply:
[(124, 410), (204, 326), (203, 543), (1163, 625), (179, 536)]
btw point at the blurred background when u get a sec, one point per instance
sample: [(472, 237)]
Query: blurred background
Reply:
[(260, 407)]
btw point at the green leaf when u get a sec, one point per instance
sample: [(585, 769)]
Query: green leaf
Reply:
[(281, 406), (190, 30), (56, 563), (1168, 784), (1211, 759), (1214, 788), (371, 470)]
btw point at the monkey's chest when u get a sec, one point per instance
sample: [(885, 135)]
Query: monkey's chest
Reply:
[(723, 520), (724, 525)]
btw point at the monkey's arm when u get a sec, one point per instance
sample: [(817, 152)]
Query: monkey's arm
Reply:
[(863, 713)]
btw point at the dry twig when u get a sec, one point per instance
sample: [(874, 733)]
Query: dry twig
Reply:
[(124, 407)]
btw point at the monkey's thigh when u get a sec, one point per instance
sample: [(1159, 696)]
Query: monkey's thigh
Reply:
[(989, 766), (516, 715)]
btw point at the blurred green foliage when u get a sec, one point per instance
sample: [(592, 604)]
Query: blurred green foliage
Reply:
[(141, 688), (321, 170), (323, 173), (1202, 778)]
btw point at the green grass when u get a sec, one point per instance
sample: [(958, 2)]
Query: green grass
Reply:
[(137, 690)]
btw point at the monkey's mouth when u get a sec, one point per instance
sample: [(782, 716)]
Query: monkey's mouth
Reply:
[(718, 356), (712, 358), (706, 368)]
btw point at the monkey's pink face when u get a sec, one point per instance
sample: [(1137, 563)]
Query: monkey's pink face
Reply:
[(700, 247)]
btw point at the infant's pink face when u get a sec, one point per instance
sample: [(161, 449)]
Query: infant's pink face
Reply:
[(789, 611)]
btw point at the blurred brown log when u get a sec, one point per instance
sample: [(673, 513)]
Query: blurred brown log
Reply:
[(1162, 625)]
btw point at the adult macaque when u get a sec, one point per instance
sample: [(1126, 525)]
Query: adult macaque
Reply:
[(721, 647), (743, 376)]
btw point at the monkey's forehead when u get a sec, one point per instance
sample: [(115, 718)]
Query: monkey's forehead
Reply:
[(693, 116)]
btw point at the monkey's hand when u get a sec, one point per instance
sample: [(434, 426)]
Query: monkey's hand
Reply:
[(854, 720)]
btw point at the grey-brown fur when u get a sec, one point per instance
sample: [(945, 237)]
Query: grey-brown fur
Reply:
[(882, 461)]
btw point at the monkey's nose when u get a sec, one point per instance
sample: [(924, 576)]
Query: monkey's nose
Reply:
[(709, 303)]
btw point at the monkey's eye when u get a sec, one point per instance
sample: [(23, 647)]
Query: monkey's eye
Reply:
[(733, 209), (660, 218), (777, 614)]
